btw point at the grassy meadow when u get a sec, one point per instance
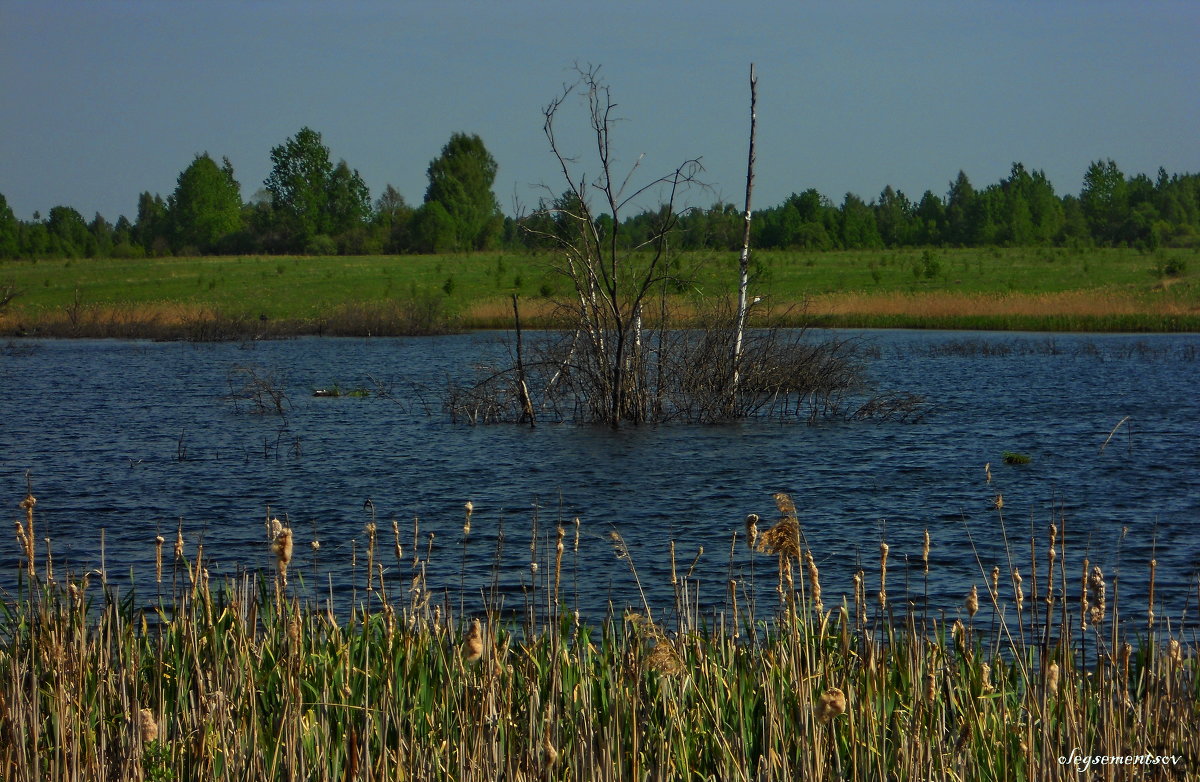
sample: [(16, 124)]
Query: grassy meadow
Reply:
[(212, 297)]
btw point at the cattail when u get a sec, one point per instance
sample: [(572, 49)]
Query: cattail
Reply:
[(831, 704), (149, 728), (179, 542), (49, 562), (883, 555), (664, 660), (814, 581), (315, 545), (860, 593), (1150, 602), (1018, 589), (995, 590), (1083, 597), (1052, 554), (576, 534), (1097, 589), (282, 547), (558, 555), (973, 601), (752, 530), (1052, 679), (549, 753), (1174, 651), (274, 527), (998, 502), (469, 507), (925, 552), (472, 649), (985, 677), (25, 533), (987, 472), (159, 540), (930, 687)]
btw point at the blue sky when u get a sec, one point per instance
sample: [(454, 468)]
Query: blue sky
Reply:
[(102, 100)]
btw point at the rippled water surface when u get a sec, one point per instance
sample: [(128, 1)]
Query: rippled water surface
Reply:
[(130, 437)]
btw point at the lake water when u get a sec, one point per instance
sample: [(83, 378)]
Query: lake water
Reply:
[(131, 437)]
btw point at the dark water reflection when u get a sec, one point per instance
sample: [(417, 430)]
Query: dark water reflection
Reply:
[(102, 427)]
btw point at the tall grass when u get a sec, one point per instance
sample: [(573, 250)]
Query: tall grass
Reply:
[(241, 680)]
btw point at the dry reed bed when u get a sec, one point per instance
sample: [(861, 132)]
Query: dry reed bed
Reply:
[(1079, 310), (940, 304), (241, 681)]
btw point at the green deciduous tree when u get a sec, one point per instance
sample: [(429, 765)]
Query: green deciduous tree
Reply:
[(152, 228), (68, 232), (206, 206), (394, 218), (858, 224), (929, 220), (10, 230), (460, 181), (311, 197), (893, 216), (297, 183), (347, 202), (960, 200), (1104, 198)]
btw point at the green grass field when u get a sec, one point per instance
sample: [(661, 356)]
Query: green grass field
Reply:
[(1053, 288)]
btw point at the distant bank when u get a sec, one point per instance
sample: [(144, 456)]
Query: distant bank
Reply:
[(238, 297)]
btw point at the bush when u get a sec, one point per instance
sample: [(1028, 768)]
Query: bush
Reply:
[(321, 245)]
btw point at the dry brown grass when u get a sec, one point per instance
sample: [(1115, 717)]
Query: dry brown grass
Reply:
[(949, 304)]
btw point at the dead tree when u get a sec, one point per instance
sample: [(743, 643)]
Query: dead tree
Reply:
[(611, 284), (602, 367), (744, 260)]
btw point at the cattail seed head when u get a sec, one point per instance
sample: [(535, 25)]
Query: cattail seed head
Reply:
[(159, 540), (883, 556), (148, 726), (1084, 608), (930, 687), (315, 545), (1097, 588), (998, 502), (752, 529), (814, 581), (985, 677), (973, 601), (1174, 651), (282, 547), (831, 703), (987, 472), (1052, 678), (179, 544), (995, 591), (472, 649), (549, 752), (1018, 589), (925, 552)]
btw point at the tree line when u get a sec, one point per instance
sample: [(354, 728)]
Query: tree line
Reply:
[(310, 205)]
